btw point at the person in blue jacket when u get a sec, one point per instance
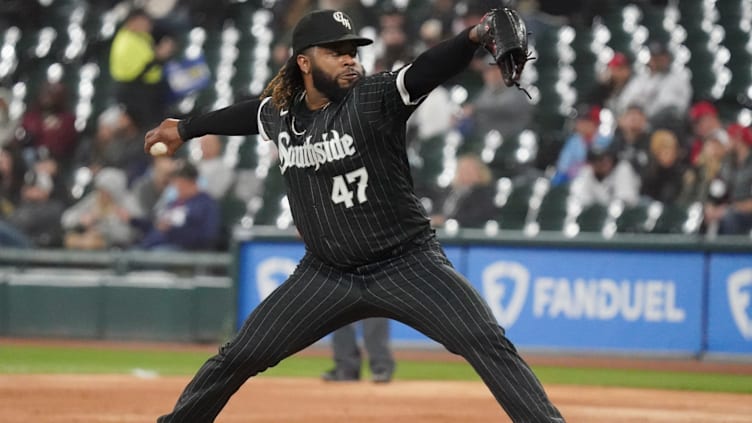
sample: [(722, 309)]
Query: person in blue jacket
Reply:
[(189, 222)]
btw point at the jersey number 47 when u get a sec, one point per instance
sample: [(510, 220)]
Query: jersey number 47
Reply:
[(341, 192)]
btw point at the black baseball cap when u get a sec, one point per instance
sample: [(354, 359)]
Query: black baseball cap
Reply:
[(324, 27)]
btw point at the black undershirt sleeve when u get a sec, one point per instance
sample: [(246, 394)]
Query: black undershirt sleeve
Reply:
[(439, 63), (237, 119)]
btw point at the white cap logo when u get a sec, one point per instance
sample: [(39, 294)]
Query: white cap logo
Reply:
[(513, 293), (739, 291), (341, 18)]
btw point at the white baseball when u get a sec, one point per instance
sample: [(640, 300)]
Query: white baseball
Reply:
[(158, 149)]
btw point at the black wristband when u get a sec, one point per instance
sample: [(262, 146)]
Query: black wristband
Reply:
[(183, 131)]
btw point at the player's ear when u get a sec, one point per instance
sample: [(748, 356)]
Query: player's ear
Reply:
[(304, 64)]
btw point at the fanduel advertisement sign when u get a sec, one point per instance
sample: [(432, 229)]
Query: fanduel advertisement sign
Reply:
[(575, 299), (730, 304), (593, 299), (263, 266)]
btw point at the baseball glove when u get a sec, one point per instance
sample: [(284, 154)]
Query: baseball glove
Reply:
[(503, 34)]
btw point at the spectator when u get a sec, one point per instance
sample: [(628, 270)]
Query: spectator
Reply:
[(136, 66), (434, 117), (45, 163), (150, 187), (12, 170), (707, 169), (470, 198), (611, 82), (117, 143), (8, 125), (442, 13), (393, 48), (663, 92), (663, 178), (585, 136), (605, 179), (705, 123), (497, 106), (37, 217), (49, 123), (631, 140), (735, 215), (216, 176), (102, 218), (191, 221)]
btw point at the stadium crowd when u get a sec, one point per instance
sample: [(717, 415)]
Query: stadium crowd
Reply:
[(637, 134)]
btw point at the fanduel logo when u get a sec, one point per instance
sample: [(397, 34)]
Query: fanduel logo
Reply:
[(506, 282), (270, 274), (332, 147), (607, 299), (739, 291), (506, 286)]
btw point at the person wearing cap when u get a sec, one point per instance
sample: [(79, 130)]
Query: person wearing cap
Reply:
[(191, 221), (708, 167), (605, 179), (573, 155), (706, 124), (664, 91), (370, 248), (734, 217), (631, 139), (609, 91)]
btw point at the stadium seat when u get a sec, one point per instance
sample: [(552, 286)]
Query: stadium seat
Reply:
[(592, 218), (672, 220), (632, 219), (553, 208), (513, 212)]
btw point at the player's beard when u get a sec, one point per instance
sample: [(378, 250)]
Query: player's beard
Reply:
[(328, 85)]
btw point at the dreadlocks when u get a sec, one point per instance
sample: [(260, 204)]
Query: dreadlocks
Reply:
[(285, 85)]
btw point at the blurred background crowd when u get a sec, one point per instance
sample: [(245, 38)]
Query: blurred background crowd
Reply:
[(638, 122)]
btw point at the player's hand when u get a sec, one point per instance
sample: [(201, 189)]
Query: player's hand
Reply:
[(167, 133)]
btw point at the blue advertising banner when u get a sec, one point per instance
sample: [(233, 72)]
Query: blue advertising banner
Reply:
[(575, 299), (593, 300), (730, 304), (266, 265)]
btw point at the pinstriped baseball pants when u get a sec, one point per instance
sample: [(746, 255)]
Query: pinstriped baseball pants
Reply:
[(418, 287)]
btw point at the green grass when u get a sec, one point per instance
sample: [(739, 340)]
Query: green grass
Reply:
[(34, 359)]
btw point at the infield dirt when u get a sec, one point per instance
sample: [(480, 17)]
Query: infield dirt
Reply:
[(131, 399), (134, 399)]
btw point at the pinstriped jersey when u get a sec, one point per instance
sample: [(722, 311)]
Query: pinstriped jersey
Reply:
[(347, 175)]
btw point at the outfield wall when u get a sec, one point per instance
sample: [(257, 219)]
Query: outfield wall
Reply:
[(632, 295), (116, 295)]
